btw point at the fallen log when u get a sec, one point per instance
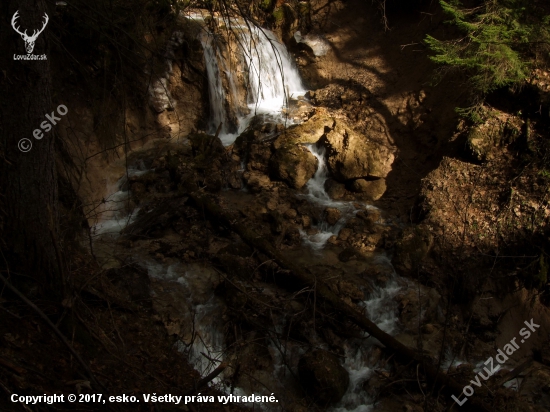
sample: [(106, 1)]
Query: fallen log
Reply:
[(213, 211)]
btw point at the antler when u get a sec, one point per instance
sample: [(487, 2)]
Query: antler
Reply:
[(36, 33), (15, 17)]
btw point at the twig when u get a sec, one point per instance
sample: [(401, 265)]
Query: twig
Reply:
[(512, 374), (221, 367)]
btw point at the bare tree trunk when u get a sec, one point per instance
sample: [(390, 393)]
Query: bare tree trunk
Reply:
[(29, 218)]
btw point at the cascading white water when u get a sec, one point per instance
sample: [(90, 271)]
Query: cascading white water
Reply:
[(203, 320), (115, 215), (216, 93), (272, 78), (381, 308), (317, 194), (272, 74), (316, 185)]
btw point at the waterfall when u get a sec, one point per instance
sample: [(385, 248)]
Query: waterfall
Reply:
[(268, 76), (216, 92), (273, 77)]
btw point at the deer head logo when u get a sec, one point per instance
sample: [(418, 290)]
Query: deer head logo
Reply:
[(29, 40)]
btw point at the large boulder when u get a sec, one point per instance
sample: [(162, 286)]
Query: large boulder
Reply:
[(332, 215), (351, 155), (257, 182), (294, 164), (335, 189), (370, 189), (323, 377), (308, 132)]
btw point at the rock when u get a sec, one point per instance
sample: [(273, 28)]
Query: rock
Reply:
[(333, 240), (318, 45), (306, 221), (499, 129), (310, 94), (294, 164), (428, 329), (344, 234), (351, 155), (249, 146), (257, 181), (322, 376), (291, 214), (373, 215), (334, 189), (375, 356), (350, 289), (308, 132), (417, 306), (329, 96), (213, 181), (276, 222), (234, 181), (372, 189), (412, 248), (332, 215), (347, 254), (138, 190), (205, 147)]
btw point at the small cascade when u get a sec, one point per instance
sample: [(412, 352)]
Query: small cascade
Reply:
[(216, 93), (205, 328), (317, 194), (258, 64), (316, 185), (115, 214), (381, 308)]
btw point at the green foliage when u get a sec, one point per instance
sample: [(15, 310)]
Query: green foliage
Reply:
[(496, 44)]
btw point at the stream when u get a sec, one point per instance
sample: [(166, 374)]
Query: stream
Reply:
[(271, 77)]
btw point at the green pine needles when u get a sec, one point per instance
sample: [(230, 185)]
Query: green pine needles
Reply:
[(499, 41)]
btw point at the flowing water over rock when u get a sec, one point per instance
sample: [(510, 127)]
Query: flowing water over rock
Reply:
[(184, 292), (259, 65), (317, 194)]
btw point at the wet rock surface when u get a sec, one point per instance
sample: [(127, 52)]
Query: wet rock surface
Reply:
[(323, 376)]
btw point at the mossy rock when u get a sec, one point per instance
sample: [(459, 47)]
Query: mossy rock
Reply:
[(498, 130), (279, 15), (284, 15), (304, 8), (267, 5)]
